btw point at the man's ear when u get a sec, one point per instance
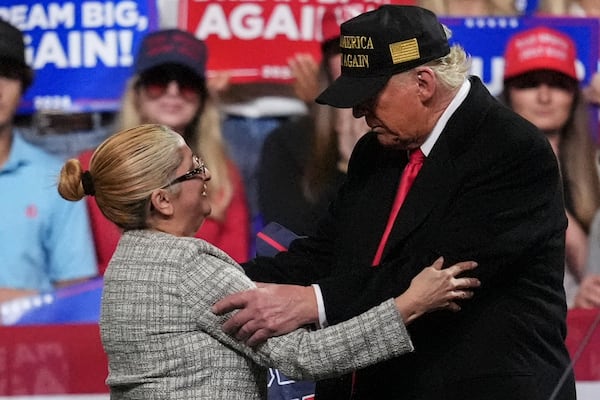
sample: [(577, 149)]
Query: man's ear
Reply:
[(160, 199), (427, 82)]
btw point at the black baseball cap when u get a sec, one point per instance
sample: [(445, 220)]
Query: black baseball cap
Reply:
[(12, 54), (378, 44), (12, 46)]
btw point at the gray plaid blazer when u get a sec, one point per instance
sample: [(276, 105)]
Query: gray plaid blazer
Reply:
[(163, 342)]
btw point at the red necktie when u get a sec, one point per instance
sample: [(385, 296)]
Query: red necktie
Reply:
[(408, 177)]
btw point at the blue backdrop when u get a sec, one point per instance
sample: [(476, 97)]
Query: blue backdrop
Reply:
[(81, 51)]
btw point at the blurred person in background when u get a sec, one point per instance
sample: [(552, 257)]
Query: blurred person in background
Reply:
[(157, 328), (45, 241), (250, 112), (541, 84), (169, 87), (588, 294), (304, 161)]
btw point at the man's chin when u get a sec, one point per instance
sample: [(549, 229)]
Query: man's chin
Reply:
[(391, 142)]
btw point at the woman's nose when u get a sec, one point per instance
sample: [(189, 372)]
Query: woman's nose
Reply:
[(173, 88), (544, 92)]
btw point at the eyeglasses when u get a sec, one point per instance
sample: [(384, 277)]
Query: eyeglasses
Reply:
[(156, 81), (200, 169)]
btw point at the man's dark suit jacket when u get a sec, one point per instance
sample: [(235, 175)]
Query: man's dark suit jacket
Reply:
[(489, 191)]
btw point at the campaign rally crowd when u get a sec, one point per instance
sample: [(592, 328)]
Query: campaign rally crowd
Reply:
[(326, 199)]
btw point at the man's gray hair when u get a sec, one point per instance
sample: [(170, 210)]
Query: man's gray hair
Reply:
[(453, 68)]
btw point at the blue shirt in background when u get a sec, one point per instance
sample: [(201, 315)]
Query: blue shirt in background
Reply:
[(43, 238)]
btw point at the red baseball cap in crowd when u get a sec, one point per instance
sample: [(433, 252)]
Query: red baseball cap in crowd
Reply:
[(540, 49)]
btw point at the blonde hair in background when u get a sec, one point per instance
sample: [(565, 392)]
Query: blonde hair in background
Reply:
[(452, 69), (577, 153), (203, 136), (126, 168)]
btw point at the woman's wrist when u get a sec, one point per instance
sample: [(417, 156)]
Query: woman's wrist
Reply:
[(408, 308)]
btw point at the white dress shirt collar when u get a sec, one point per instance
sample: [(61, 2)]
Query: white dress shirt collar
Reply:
[(460, 96)]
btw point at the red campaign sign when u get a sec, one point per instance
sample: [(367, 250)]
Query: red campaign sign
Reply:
[(52, 359), (253, 40), (583, 341)]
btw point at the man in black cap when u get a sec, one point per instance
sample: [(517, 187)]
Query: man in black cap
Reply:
[(487, 188)]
